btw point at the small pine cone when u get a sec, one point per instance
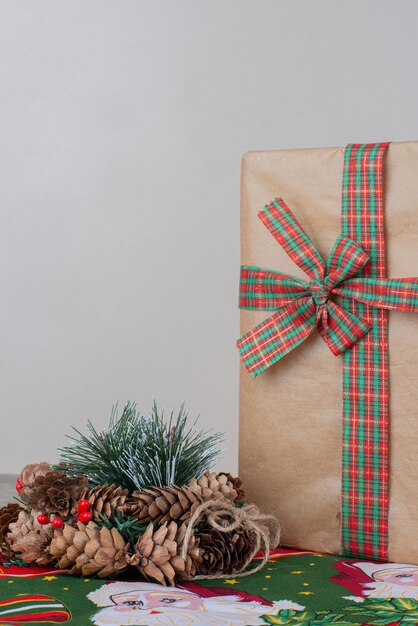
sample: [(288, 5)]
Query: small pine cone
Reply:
[(30, 472), (157, 556), (56, 493), (8, 515), (224, 553), (90, 550), (104, 499), (235, 483), (163, 504), (217, 486), (30, 539)]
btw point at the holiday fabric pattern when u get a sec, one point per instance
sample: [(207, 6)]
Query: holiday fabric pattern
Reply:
[(294, 588)]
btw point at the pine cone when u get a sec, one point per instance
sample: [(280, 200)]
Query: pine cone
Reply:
[(224, 553), (103, 499), (157, 554), (90, 550), (8, 515), (30, 472), (163, 504), (166, 504), (235, 483), (55, 492), (64, 549), (30, 539), (217, 486)]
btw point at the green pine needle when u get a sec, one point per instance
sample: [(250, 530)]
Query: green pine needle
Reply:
[(130, 529), (137, 451)]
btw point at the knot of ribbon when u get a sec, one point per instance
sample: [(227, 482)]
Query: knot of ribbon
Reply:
[(302, 305)]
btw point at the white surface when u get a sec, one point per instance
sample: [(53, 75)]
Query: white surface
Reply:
[(121, 130)]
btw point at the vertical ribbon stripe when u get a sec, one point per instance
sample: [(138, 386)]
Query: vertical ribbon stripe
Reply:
[(365, 369)]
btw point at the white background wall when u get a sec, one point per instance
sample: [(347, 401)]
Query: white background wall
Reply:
[(121, 129)]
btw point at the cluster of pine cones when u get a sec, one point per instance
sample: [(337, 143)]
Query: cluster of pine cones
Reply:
[(95, 548)]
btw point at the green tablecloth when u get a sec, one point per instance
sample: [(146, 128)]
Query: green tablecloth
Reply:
[(293, 588)]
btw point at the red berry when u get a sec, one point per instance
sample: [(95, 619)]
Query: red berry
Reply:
[(57, 522), (83, 506), (19, 485), (85, 517), (43, 519)]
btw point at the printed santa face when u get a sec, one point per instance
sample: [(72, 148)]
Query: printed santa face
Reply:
[(394, 581), (405, 576), (147, 604), (160, 599), (378, 580)]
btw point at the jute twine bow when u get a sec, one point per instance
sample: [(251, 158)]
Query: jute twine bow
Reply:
[(224, 517)]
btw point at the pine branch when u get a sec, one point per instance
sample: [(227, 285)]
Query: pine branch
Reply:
[(139, 451), (96, 455)]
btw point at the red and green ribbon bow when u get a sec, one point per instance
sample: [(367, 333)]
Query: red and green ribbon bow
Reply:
[(302, 305)]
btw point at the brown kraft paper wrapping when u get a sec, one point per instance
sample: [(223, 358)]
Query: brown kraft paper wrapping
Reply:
[(291, 415)]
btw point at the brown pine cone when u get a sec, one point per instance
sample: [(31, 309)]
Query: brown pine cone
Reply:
[(30, 472), (90, 550), (63, 547), (30, 539), (157, 555), (235, 483), (8, 515), (162, 504), (217, 486), (224, 553), (104, 499), (56, 493)]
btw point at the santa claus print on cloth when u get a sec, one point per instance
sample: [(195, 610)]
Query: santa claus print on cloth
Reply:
[(146, 604), (378, 580)]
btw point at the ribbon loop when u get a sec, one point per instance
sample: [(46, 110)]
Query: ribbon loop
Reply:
[(271, 340), (346, 259), (287, 231), (338, 328), (267, 289)]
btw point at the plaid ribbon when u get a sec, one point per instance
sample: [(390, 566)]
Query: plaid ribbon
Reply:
[(355, 270), (366, 368)]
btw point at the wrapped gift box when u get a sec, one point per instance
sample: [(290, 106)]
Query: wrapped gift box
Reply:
[(291, 414)]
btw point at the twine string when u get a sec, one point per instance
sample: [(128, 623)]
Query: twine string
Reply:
[(224, 517)]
